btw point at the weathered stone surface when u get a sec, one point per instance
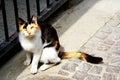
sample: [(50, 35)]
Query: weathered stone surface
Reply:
[(109, 76), (85, 49), (103, 47), (38, 78), (61, 72), (109, 41), (106, 29), (76, 61), (69, 66), (92, 43), (117, 29), (92, 77), (101, 35), (115, 50), (84, 67), (59, 78), (117, 43), (79, 75), (115, 61), (44, 77), (113, 23), (115, 36), (113, 69), (96, 70)]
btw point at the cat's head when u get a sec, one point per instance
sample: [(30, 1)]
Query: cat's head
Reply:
[(28, 28)]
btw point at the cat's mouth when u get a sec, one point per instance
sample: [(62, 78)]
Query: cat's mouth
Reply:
[(30, 36)]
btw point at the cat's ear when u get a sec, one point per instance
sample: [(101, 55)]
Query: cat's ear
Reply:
[(20, 21), (34, 19)]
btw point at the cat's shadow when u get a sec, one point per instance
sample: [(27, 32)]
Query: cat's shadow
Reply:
[(62, 48)]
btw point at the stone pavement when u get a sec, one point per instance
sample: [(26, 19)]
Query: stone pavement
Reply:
[(105, 43)]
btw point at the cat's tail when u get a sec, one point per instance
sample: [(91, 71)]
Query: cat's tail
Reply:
[(82, 56)]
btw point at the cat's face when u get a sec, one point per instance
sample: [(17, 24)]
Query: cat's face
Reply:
[(29, 28)]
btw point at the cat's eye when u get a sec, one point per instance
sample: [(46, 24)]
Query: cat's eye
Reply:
[(25, 29), (32, 27)]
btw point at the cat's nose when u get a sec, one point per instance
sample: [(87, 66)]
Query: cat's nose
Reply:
[(29, 32)]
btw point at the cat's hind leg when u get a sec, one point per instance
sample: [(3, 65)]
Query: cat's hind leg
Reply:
[(52, 63), (49, 55), (55, 60)]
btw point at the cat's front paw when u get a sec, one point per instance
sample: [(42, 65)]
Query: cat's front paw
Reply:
[(33, 70), (27, 62)]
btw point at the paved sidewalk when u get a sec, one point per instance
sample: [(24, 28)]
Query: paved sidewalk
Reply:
[(105, 43)]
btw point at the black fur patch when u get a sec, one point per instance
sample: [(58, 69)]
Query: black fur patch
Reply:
[(92, 59), (57, 46), (49, 34), (21, 21), (25, 26)]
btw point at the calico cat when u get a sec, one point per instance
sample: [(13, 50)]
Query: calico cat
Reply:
[(41, 40)]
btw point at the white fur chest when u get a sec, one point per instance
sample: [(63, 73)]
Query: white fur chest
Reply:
[(30, 45)]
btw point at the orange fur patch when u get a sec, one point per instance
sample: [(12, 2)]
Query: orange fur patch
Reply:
[(83, 56), (67, 55), (56, 43), (21, 28), (29, 27)]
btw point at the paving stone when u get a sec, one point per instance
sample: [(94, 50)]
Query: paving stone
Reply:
[(109, 41), (113, 23), (103, 47), (115, 50), (117, 43), (118, 79), (98, 53), (115, 61), (84, 67), (101, 35), (96, 70), (77, 61), (117, 29), (92, 42), (38, 78), (61, 72), (109, 76), (92, 77), (69, 66), (79, 75), (58, 78), (85, 49), (106, 29), (113, 69), (115, 36), (44, 77)]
